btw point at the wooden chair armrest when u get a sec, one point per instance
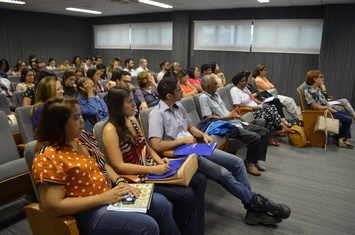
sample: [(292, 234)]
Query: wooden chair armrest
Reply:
[(245, 110), (132, 178), (41, 223), (168, 153)]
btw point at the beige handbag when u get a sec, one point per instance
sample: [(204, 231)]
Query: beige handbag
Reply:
[(183, 176), (326, 124)]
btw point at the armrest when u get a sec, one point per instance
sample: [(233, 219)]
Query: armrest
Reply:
[(245, 110), (41, 223), (132, 178)]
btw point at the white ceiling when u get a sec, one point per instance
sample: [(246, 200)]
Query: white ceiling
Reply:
[(109, 8)]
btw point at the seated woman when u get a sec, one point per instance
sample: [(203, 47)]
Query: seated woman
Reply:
[(221, 79), (27, 80), (345, 104), (30, 93), (187, 89), (258, 96), (73, 178), (75, 60), (113, 65), (48, 87), (263, 84), (79, 73), (242, 97), (68, 83), (195, 80), (124, 143), (93, 108), (51, 64), (315, 98), (95, 75), (65, 64), (19, 66), (102, 69), (147, 92)]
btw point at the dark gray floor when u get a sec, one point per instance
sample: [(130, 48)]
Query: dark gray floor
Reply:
[(318, 185)]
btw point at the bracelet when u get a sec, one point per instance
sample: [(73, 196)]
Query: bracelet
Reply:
[(119, 180)]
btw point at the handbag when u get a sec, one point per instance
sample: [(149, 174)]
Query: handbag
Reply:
[(182, 177), (326, 124), (298, 137)]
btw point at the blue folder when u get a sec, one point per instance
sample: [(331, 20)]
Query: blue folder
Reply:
[(174, 167), (199, 149)]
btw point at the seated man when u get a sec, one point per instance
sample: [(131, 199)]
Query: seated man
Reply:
[(93, 108), (256, 137), (170, 127)]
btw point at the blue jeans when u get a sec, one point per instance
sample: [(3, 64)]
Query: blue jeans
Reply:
[(345, 119), (229, 171), (188, 202), (158, 220)]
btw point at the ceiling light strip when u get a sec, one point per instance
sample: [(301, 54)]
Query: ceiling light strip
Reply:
[(154, 3), (83, 10), (13, 1)]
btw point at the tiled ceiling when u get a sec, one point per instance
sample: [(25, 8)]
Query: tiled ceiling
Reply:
[(128, 7)]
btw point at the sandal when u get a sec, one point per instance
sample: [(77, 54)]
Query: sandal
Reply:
[(286, 123), (274, 143), (341, 143)]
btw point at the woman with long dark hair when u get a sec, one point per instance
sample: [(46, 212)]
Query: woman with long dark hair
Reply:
[(124, 143)]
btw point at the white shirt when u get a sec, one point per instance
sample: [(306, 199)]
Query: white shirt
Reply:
[(160, 76), (242, 97)]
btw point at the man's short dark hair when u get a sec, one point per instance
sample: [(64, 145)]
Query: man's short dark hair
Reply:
[(162, 64), (205, 67), (167, 86), (127, 61)]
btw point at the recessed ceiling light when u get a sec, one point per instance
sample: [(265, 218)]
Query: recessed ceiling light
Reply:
[(154, 3), (263, 1), (13, 1), (83, 10)]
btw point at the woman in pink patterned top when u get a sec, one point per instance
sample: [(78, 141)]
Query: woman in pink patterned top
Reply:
[(195, 80)]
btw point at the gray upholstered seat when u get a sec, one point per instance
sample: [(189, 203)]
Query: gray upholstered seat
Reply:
[(18, 98), (14, 178), (25, 123)]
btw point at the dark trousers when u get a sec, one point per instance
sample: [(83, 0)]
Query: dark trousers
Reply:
[(257, 139), (188, 211)]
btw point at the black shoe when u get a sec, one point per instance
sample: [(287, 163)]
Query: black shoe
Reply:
[(253, 217), (277, 210)]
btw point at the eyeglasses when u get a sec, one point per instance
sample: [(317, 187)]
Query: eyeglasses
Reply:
[(126, 81), (30, 75), (72, 80)]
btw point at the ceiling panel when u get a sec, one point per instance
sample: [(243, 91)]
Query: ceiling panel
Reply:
[(109, 8)]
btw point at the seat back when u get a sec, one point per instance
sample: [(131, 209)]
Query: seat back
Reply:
[(222, 92), (25, 123), (8, 147), (60, 74), (30, 153), (190, 107), (300, 95), (228, 90), (197, 105), (13, 86), (14, 78), (144, 122), (4, 105), (18, 98), (98, 128), (102, 95)]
